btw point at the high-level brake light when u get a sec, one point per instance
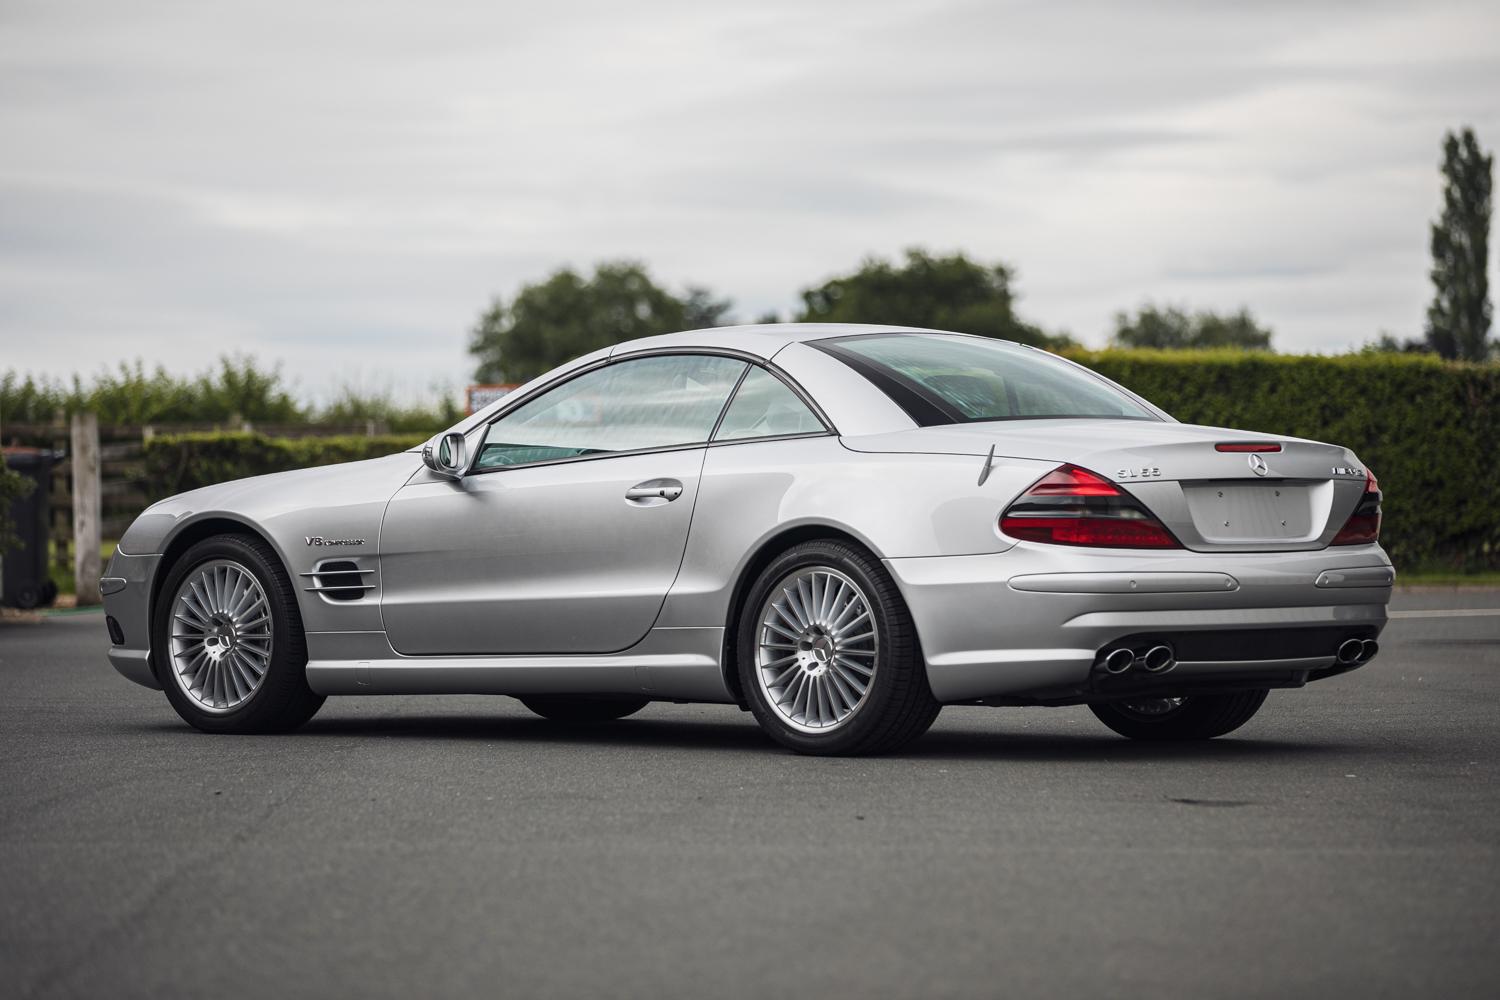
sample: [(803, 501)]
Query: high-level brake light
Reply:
[(1240, 447)]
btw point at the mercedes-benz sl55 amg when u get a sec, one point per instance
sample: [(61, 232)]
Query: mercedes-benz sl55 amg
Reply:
[(840, 529)]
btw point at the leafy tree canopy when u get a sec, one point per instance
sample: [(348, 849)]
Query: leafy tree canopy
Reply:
[(942, 293), (552, 321), (1389, 343), (237, 388), (1172, 328)]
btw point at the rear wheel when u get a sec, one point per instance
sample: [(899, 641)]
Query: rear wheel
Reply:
[(560, 708), (1200, 717), (828, 656), (228, 640)]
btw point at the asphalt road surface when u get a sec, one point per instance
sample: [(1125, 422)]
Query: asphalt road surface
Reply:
[(1344, 843)]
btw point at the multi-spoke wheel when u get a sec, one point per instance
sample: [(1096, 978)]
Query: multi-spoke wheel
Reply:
[(1199, 717), (221, 635), (817, 649), (827, 654), (228, 641)]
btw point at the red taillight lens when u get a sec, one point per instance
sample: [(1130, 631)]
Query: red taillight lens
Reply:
[(1102, 531), (1071, 481), (1363, 526), (1251, 446), (1073, 506)]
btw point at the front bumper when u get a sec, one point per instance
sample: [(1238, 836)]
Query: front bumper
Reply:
[(128, 602), (1029, 624)]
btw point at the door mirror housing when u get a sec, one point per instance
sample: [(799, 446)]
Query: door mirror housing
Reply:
[(448, 456)]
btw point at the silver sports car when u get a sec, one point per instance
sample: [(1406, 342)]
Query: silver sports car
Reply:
[(838, 528)]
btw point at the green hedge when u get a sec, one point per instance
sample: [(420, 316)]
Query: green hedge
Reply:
[(179, 462), (1429, 429)]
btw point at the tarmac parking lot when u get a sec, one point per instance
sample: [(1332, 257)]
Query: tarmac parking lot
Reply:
[(1344, 843)]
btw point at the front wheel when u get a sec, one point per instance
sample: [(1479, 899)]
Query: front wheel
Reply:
[(228, 640), (1200, 717), (828, 656)]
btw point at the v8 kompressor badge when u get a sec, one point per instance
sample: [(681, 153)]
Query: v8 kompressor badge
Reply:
[(320, 540)]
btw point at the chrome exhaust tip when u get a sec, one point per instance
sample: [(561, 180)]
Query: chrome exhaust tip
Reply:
[(1117, 661), (1158, 659), (1350, 651), (1368, 649)]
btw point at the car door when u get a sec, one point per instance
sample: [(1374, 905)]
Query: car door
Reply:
[(569, 527)]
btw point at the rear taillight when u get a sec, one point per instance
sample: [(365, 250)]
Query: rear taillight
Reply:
[(1073, 506), (1363, 526)]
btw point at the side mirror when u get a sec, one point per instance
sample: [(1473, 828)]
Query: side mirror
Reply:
[(449, 457)]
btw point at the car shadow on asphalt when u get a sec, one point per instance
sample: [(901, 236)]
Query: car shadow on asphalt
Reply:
[(744, 736)]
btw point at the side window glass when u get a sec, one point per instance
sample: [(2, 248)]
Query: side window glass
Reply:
[(765, 407), (656, 402)]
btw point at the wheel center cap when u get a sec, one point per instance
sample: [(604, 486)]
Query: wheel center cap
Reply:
[(220, 637), (815, 651)]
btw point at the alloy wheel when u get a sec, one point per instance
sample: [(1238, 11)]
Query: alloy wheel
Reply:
[(221, 635), (817, 649)]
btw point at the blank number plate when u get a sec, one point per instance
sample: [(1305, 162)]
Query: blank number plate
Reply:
[(1259, 511)]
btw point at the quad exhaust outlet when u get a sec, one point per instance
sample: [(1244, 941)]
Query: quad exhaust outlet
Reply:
[(1353, 651), (1117, 661), (1156, 660)]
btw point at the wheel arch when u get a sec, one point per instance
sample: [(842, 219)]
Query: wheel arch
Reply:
[(185, 538), (767, 551)]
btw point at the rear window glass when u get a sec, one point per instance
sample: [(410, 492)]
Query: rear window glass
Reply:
[(941, 379)]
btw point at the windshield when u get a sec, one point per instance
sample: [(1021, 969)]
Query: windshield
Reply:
[(950, 379)]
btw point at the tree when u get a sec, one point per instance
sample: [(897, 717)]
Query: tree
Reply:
[(942, 293), (237, 388), (1458, 321), (1174, 328), (1389, 343), (566, 315), (700, 310)]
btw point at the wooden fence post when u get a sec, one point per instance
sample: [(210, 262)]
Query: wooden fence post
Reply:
[(86, 510)]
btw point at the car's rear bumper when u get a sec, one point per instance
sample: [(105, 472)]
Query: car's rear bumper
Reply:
[(1029, 624)]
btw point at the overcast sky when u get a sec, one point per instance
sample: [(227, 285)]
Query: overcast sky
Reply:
[(342, 187)]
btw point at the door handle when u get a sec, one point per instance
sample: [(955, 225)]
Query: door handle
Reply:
[(653, 492)]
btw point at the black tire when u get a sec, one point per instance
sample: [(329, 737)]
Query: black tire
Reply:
[(1200, 717), (283, 701), (898, 706), (563, 708)]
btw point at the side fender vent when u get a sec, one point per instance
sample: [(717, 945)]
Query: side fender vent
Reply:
[(339, 580)]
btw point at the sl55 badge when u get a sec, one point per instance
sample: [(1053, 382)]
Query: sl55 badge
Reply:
[(1145, 472)]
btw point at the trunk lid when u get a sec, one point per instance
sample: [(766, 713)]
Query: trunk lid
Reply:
[(1294, 498)]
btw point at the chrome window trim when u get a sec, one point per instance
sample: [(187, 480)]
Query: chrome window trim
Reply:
[(805, 435), (749, 359)]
